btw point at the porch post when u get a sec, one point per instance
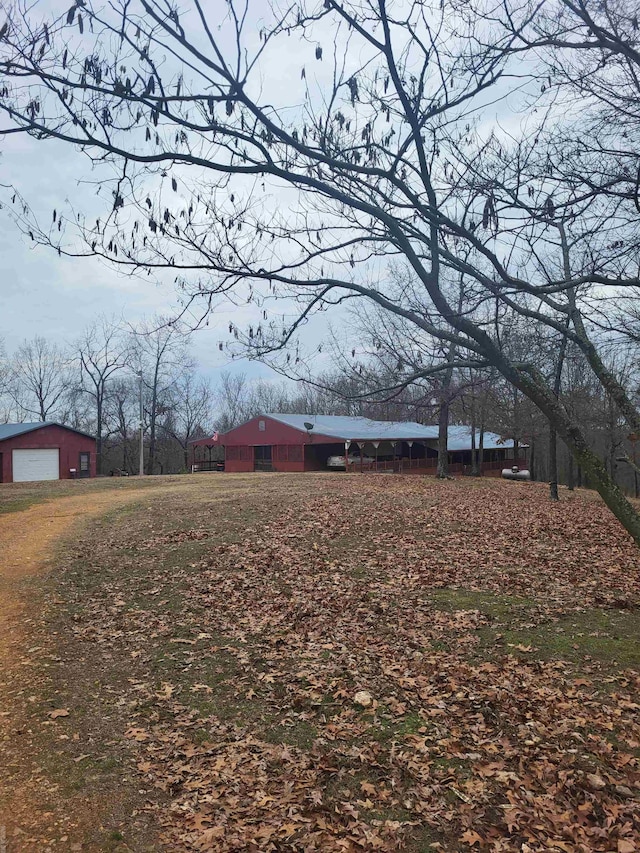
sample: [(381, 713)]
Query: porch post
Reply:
[(347, 445)]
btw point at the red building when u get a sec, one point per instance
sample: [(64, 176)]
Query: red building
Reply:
[(276, 442), (45, 451)]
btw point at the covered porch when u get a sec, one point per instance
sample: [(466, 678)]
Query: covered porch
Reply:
[(205, 455), (421, 457)]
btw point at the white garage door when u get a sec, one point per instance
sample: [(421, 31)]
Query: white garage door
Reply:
[(31, 465)]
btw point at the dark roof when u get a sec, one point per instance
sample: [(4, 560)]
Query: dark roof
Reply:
[(13, 430)]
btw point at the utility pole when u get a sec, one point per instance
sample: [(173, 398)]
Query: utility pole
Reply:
[(141, 467)]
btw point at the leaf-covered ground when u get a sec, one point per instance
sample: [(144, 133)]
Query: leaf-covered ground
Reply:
[(337, 663)]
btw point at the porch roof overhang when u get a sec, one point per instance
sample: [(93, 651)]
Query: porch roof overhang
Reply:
[(204, 442)]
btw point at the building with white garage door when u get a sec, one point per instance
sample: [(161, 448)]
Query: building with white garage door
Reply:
[(45, 451)]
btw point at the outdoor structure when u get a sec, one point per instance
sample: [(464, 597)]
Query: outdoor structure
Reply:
[(45, 451), (275, 442)]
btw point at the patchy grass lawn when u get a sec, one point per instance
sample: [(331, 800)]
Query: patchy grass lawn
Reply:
[(15, 497), (338, 663)]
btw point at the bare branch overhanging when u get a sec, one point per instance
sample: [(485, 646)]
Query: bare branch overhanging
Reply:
[(275, 196)]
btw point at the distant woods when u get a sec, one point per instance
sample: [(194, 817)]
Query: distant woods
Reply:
[(93, 384)]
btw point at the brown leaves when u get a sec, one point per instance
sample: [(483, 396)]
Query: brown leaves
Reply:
[(139, 735), (344, 667), (596, 783), (59, 712), (471, 838)]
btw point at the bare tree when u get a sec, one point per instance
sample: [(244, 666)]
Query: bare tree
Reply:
[(159, 348), (5, 375), (306, 193), (190, 410), (121, 414), (101, 353), (39, 377), (231, 399), (238, 399)]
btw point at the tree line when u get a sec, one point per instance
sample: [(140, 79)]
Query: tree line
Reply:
[(95, 385), (99, 383)]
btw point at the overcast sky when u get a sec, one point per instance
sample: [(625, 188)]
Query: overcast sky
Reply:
[(56, 297)]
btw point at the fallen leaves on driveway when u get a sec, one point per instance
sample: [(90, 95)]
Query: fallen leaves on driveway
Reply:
[(59, 712)]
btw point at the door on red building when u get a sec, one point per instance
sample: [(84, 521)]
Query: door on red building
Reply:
[(84, 468), (262, 460)]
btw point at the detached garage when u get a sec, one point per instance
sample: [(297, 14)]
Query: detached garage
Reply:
[(45, 451)]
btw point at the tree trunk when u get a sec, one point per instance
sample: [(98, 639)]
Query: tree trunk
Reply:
[(636, 470), (553, 436), (151, 461), (608, 489), (608, 380), (477, 453), (443, 454), (570, 474), (473, 442), (534, 387), (445, 400), (99, 435), (553, 465)]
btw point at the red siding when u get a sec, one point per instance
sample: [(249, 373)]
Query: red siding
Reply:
[(286, 442), (71, 444), (238, 459), (274, 432), (238, 467), (288, 457)]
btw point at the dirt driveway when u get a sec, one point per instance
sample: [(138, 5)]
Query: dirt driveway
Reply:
[(28, 539), (28, 536)]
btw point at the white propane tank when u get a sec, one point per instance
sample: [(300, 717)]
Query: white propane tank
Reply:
[(516, 473)]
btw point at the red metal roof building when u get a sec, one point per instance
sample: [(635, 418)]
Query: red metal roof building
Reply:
[(45, 451), (280, 442)]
